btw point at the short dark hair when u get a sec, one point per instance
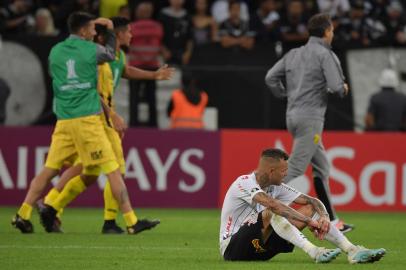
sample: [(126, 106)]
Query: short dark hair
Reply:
[(101, 30), (318, 24), (120, 23), (275, 154), (77, 20), (233, 2)]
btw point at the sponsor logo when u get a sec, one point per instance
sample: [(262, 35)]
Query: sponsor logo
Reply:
[(257, 246), (96, 155)]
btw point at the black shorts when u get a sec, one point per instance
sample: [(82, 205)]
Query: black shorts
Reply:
[(247, 244)]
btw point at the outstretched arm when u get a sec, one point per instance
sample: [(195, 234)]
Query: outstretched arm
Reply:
[(163, 73)]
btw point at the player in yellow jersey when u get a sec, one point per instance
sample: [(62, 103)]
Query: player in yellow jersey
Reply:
[(79, 131), (108, 80)]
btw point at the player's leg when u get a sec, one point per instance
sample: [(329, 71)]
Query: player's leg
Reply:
[(21, 220), (248, 243), (67, 175), (321, 172), (75, 186), (61, 149), (291, 232), (304, 147), (355, 254), (84, 133), (53, 193), (119, 191), (111, 206)]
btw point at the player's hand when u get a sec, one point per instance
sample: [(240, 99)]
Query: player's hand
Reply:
[(119, 124), (313, 225), (106, 22), (324, 223), (164, 73), (346, 89)]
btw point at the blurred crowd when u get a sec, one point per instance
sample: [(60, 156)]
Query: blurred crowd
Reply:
[(189, 23)]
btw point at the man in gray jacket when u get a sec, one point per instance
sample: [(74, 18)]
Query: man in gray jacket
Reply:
[(305, 76)]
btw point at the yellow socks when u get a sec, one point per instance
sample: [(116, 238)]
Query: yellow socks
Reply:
[(110, 204), (51, 197), (25, 211), (130, 218), (72, 189)]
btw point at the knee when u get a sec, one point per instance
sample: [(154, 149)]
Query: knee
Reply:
[(307, 210), (266, 218)]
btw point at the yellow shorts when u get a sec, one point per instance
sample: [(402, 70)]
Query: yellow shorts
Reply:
[(117, 146), (83, 137)]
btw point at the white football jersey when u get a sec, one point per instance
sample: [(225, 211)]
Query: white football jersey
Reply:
[(239, 208)]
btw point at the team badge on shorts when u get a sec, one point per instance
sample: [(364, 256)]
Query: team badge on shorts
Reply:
[(316, 138), (257, 246)]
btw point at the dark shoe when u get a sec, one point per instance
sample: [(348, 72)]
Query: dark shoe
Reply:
[(343, 227), (25, 226), (347, 228), (142, 225), (48, 218), (57, 228), (111, 227), (58, 222)]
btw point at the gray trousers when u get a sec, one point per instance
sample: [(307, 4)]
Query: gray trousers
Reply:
[(308, 149)]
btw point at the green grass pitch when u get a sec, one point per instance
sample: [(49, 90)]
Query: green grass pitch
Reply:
[(185, 239)]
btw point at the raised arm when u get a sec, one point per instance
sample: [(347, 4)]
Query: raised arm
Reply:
[(106, 53)]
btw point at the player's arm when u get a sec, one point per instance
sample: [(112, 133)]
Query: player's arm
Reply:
[(119, 124), (319, 208), (274, 79), (281, 209), (133, 73), (106, 53), (333, 73)]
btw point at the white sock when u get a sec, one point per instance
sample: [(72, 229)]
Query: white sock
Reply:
[(292, 234), (336, 237)]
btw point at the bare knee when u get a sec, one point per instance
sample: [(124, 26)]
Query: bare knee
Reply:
[(307, 210), (266, 218)]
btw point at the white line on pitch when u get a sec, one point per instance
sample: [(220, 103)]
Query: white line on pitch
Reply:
[(102, 247)]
